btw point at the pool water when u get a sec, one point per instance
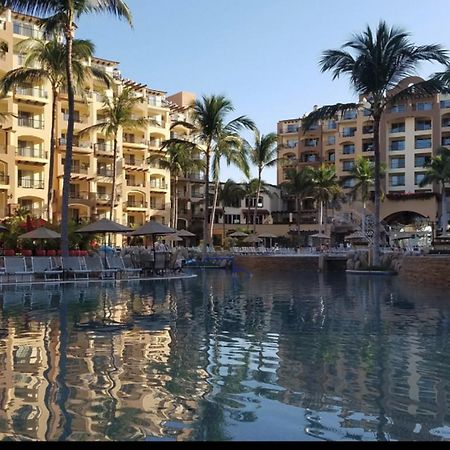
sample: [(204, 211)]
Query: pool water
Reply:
[(223, 356)]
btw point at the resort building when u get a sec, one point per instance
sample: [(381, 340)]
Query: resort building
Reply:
[(411, 132), (142, 191)]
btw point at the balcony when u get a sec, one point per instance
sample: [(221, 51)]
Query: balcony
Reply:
[(158, 185), (81, 170), (77, 120), (157, 206), (133, 183), (26, 183), (133, 204), (31, 152), (368, 129), (155, 143), (27, 30), (76, 195), (33, 92), (133, 142), (4, 179), (134, 161), (77, 146), (29, 122), (102, 197), (103, 149), (101, 172)]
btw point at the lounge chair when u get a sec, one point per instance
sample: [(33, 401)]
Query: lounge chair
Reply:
[(42, 265), (95, 265), (76, 265), (117, 263), (16, 266), (160, 263)]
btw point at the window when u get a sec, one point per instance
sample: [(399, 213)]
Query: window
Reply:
[(331, 140), (424, 106), (349, 115), (418, 177), (397, 180), (331, 156), (348, 131), (347, 166), (311, 142), (398, 127), (445, 104), (234, 204), (348, 183), (397, 163), (397, 145), (423, 142), (348, 149), (368, 146), (367, 129), (291, 143), (331, 125), (310, 157), (423, 124), (445, 140), (446, 122), (232, 219), (421, 160), (291, 128), (250, 202), (398, 108), (367, 112)]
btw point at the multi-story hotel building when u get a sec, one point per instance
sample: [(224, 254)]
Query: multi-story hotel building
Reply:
[(142, 190), (411, 131)]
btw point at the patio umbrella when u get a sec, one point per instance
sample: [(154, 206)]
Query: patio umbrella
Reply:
[(320, 236), (357, 235), (40, 233), (269, 236), (173, 238), (253, 239), (185, 233), (153, 229), (104, 226), (238, 234)]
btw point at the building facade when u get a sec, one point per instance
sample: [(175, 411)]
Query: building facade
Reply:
[(411, 132), (142, 190)]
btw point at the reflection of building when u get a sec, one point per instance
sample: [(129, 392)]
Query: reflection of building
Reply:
[(142, 191), (411, 131)]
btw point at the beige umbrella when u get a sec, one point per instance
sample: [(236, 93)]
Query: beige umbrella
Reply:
[(153, 229), (320, 236), (269, 236), (40, 233), (238, 234), (357, 235), (173, 238), (253, 239), (185, 233)]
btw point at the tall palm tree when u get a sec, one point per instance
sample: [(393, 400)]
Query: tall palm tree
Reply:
[(376, 61), (230, 192), (300, 185), (325, 187), (50, 58), (262, 154), (438, 171), (363, 174), (251, 187), (117, 114), (208, 117), (231, 148), (61, 16), (177, 159)]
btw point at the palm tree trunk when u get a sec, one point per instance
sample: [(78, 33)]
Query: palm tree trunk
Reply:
[(223, 225), (206, 203), (213, 215), (377, 182), (363, 223), (175, 203), (69, 144), (299, 207), (256, 202), (444, 213), (321, 217), (111, 212), (51, 164)]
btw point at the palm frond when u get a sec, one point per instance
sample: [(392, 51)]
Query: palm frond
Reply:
[(20, 76), (326, 112)]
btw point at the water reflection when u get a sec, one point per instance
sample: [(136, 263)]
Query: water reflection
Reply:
[(223, 357)]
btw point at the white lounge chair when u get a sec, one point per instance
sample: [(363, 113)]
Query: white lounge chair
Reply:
[(15, 265), (95, 265), (117, 263), (42, 265), (76, 265)]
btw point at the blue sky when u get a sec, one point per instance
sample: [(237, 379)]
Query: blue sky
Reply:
[(262, 54)]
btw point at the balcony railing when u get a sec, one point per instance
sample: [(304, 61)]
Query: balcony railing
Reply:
[(133, 140), (31, 184), (32, 92), (103, 197), (29, 122), (134, 161), (158, 185), (103, 147), (105, 172), (135, 204), (158, 206), (79, 195), (26, 30), (76, 144), (83, 170), (31, 152), (76, 119), (155, 143)]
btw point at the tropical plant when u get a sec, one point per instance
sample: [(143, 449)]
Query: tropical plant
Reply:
[(298, 184), (231, 148), (3, 47), (438, 171), (61, 16), (228, 193), (325, 187), (376, 61), (363, 175), (117, 113), (178, 159), (251, 187), (262, 154), (208, 124), (50, 57)]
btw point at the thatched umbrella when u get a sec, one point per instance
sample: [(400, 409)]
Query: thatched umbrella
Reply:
[(238, 234), (40, 233), (153, 229), (269, 236)]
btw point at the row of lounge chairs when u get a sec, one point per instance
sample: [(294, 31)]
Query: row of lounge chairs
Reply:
[(56, 268)]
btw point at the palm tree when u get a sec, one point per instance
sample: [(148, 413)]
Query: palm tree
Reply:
[(208, 125), (117, 114), (438, 171), (325, 186), (50, 57), (298, 184), (231, 148), (251, 187), (177, 159), (61, 16), (263, 154), (363, 174), (376, 61), (230, 192)]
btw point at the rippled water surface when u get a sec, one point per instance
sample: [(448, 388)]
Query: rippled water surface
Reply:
[(302, 356)]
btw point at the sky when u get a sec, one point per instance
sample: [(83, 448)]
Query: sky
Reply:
[(262, 54)]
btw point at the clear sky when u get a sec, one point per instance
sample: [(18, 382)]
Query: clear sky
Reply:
[(262, 54)]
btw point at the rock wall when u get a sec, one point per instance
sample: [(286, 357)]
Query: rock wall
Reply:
[(267, 264), (431, 270)]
